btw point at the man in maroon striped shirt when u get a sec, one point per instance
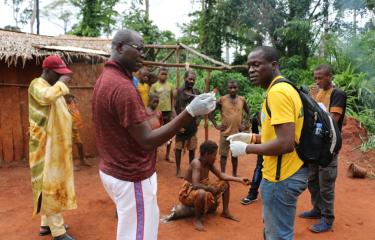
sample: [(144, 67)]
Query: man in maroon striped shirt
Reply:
[(125, 141)]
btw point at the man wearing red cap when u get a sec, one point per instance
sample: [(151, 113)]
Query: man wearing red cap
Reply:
[(50, 147)]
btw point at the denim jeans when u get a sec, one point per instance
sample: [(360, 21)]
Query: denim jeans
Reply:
[(279, 200)]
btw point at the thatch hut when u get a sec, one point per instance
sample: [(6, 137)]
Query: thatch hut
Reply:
[(21, 55)]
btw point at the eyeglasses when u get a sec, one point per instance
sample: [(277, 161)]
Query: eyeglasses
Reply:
[(139, 48)]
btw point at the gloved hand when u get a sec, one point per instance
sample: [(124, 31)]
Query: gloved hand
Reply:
[(237, 148), (242, 136), (202, 104)]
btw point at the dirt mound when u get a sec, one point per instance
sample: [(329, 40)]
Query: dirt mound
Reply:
[(352, 132)]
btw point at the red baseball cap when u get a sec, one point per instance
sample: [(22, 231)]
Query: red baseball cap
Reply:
[(56, 64)]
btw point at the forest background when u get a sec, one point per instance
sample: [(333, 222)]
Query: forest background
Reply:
[(305, 32)]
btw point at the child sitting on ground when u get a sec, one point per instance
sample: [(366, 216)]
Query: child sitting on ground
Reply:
[(201, 193)]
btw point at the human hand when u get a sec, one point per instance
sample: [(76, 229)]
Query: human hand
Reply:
[(245, 181), (213, 190), (221, 127), (65, 79), (237, 148), (242, 136), (202, 104)]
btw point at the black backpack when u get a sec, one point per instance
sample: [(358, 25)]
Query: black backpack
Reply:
[(315, 147)]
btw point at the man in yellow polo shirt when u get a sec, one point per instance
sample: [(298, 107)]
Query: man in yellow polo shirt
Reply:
[(284, 173)]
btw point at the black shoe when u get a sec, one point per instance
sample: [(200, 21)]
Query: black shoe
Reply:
[(45, 230), (249, 199), (65, 236)]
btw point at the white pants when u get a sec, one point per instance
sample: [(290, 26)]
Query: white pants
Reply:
[(137, 207)]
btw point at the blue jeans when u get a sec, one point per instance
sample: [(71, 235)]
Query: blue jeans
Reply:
[(279, 200)]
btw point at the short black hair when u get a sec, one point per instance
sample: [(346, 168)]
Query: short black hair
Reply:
[(269, 53), (163, 69), (232, 81), (208, 147), (325, 67), (189, 72), (152, 96)]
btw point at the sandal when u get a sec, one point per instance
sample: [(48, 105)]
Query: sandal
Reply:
[(45, 230)]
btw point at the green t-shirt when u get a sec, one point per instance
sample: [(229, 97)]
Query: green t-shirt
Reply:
[(164, 91)]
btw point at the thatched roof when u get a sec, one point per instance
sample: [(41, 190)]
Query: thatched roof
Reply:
[(18, 46)]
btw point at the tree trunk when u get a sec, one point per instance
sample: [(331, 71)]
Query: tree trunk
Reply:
[(147, 9), (355, 21), (33, 16), (37, 17)]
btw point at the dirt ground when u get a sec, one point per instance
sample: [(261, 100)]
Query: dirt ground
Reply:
[(94, 218)]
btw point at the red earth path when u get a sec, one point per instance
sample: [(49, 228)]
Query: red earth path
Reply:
[(94, 218)]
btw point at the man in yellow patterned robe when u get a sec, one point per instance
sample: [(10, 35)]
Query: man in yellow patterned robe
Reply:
[(50, 147)]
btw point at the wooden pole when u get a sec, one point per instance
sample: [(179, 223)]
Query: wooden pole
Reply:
[(207, 89), (178, 69), (181, 65)]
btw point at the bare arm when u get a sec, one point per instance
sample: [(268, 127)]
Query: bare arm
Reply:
[(246, 122), (227, 177), (150, 139), (336, 116), (284, 142)]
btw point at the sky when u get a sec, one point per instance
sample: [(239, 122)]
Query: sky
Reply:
[(166, 14)]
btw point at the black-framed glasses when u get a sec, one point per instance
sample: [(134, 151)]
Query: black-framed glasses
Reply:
[(139, 48)]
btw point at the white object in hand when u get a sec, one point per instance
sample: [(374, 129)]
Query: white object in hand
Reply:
[(202, 104), (242, 136), (237, 148)]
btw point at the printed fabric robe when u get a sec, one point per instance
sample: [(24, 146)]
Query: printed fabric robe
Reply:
[(50, 148)]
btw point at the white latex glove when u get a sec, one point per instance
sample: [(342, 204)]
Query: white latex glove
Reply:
[(202, 104), (237, 148), (242, 136)]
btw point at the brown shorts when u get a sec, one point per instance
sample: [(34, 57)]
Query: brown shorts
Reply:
[(188, 195), (76, 138), (224, 146), (190, 143)]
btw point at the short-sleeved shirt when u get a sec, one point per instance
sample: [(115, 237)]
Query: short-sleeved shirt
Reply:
[(164, 91), (286, 107), (231, 114), (334, 99), (117, 105), (144, 89)]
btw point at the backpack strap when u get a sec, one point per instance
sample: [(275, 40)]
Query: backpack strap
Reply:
[(279, 157)]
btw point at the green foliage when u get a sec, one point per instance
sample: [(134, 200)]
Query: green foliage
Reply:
[(98, 16), (137, 20)]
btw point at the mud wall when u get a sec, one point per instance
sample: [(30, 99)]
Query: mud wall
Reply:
[(14, 106)]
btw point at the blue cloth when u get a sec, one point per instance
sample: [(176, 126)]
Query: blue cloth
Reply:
[(135, 81), (279, 200)]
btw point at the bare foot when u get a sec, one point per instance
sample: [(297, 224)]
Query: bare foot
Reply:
[(230, 216), (85, 163), (198, 224), (168, 159)]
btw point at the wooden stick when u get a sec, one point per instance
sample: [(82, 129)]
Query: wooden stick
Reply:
[(204, 56), (178, 69), (168, 56), (151, 63), (207, 89), (162, 46)]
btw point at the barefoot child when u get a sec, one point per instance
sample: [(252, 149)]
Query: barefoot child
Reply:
[(201, 193)]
